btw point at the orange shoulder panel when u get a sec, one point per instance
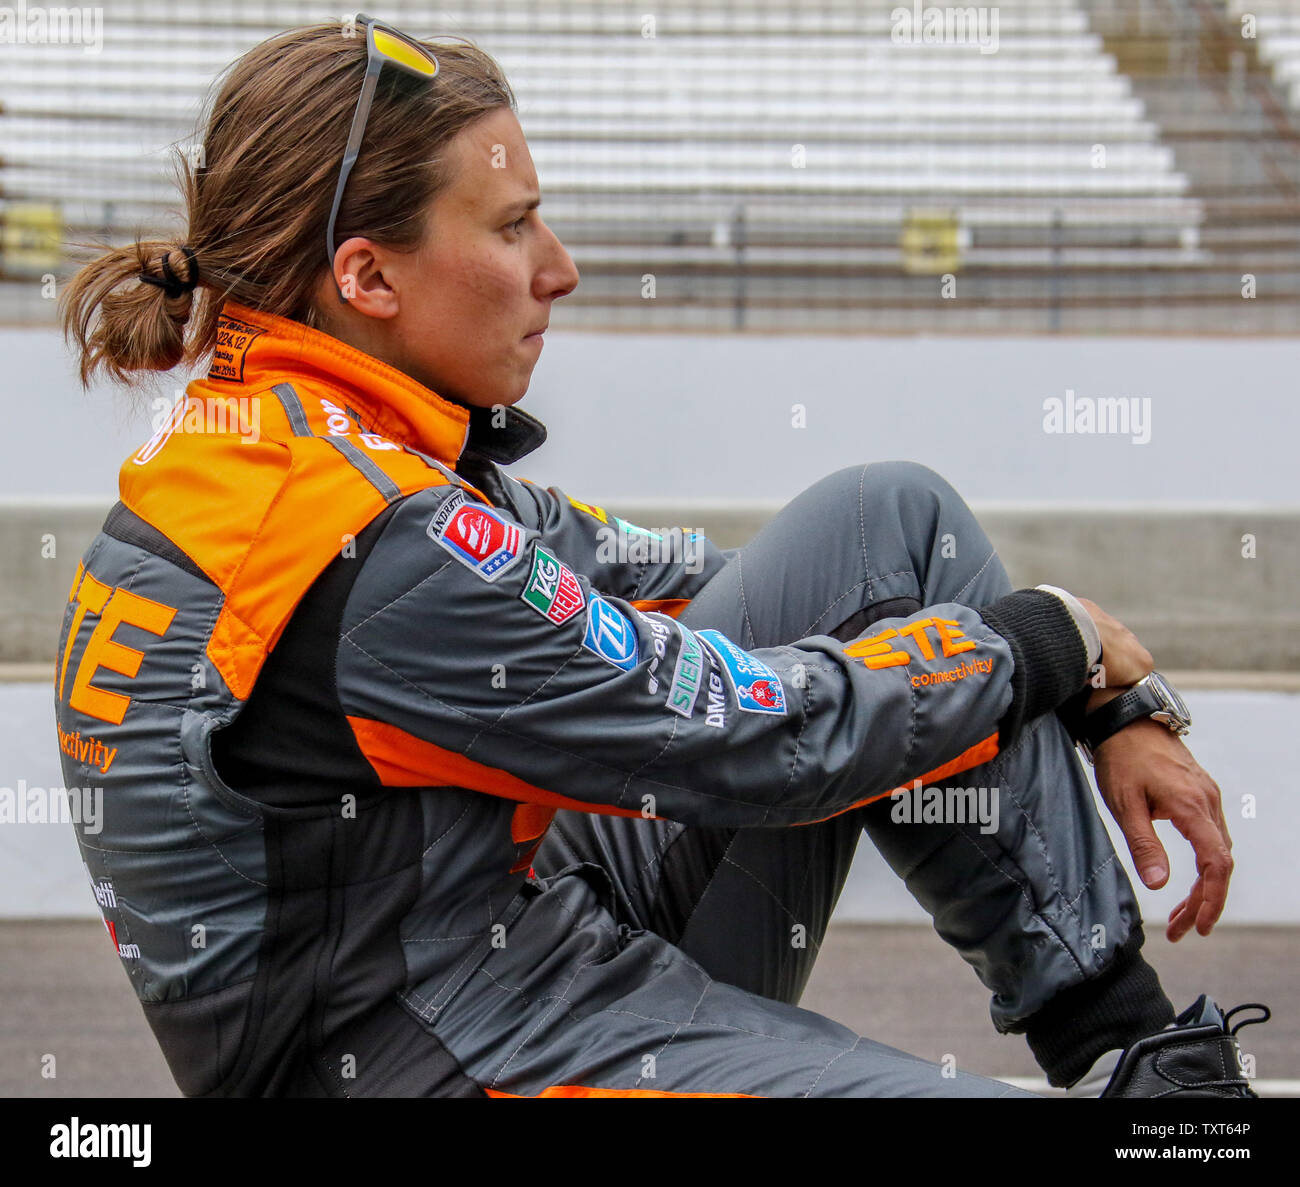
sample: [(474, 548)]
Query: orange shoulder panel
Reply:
[(293, 442), (262, 518)]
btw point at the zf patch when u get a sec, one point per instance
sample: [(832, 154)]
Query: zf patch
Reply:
[(476, 536), (610, 635), (552, 589), (758, 688)]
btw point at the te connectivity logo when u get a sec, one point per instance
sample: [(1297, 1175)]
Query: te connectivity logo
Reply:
[(879, 651), (108, 607)]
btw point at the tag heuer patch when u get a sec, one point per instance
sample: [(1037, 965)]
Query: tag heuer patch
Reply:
[(552, 589)]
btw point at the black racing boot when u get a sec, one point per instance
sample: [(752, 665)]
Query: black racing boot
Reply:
[(1197, 1055)]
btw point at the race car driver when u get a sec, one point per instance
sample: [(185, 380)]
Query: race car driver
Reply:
[(428, 782)]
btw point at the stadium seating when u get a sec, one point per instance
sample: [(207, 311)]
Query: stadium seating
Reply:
[(1277, 29), (815, 159)]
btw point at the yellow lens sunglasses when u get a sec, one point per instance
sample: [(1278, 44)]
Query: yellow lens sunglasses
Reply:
[(384, 45)]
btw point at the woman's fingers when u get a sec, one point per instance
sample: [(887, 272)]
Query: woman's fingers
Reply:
[(1123, 657)]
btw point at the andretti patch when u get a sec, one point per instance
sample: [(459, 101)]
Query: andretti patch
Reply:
[(758, 688), (476, 536)]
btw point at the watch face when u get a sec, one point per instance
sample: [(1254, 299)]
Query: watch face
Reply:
[(1171, 700)]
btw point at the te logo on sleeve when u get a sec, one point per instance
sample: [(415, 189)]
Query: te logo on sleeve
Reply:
[(476, 536), (758, 688), (552, 589), (877, 652)]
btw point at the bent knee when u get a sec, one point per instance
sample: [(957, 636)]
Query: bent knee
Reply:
[(875, 481)]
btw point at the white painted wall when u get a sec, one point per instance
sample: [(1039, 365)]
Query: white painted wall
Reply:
[(1246, 740), (700, 416)]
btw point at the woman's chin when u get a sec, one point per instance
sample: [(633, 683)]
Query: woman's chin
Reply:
[(481, 399)]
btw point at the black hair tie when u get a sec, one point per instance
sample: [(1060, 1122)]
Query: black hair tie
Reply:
[(173, 285)]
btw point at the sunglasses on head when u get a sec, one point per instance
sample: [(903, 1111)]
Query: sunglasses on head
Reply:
[(384, 46)]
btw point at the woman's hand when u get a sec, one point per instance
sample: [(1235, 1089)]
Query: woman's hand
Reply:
[(1124, 660), (1145, 773)]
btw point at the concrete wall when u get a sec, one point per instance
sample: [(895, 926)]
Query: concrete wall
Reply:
[(41, 543), (729, 427), (1178, 579), (716, 418), (1246, 740)]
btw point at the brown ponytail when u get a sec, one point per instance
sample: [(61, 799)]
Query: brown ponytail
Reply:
[(257, 200), (140, 327)]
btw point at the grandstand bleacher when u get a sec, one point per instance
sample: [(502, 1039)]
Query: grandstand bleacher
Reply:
[(1093, 166), (1276, 25)]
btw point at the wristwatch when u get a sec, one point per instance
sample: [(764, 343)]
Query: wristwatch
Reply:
[(1152, 696)]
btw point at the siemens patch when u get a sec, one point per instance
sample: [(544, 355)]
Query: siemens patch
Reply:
[(476, 536), (610, 635), (686, 676), (758, 688)]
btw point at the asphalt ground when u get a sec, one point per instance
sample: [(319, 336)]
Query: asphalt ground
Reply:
[(63, 994)]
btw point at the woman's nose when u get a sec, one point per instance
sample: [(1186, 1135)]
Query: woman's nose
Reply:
[(561, 273)]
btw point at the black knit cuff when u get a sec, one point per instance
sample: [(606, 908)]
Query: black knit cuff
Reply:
[(1112, 1011), (1074, 710), (1050, 657)]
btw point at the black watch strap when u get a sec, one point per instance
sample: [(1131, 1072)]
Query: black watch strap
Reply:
[(1142, 700), (1115, 714)]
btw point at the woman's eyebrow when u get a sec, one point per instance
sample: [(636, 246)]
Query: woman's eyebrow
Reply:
[(521, 204)]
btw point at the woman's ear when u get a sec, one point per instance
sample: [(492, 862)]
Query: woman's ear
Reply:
[(358, 275)]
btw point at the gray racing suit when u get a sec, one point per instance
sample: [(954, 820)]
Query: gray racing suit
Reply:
[(430, 781)]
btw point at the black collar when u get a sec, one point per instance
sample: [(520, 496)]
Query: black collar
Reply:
[(503, 433)]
